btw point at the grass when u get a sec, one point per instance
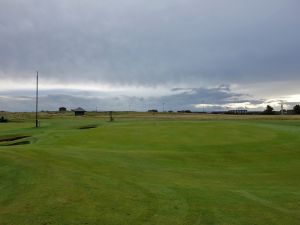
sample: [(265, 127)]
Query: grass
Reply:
[(151, 171)]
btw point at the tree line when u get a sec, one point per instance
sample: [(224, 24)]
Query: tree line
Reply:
[(270, 110)]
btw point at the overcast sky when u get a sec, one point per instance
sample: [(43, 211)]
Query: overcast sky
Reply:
[(139, 54)]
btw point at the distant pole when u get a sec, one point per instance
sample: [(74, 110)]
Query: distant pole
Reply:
[(37, 100), (282, 108), (111, 119)]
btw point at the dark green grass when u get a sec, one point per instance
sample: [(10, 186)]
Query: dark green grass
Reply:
[(151, 172)]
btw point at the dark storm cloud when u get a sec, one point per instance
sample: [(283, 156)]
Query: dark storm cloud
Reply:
[(189, 98), (179, 99), (141, 42)]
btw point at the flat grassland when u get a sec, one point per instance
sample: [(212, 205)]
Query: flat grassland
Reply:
[(150, 169)]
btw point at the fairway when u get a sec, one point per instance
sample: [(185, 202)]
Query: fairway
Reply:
[(157, 171)]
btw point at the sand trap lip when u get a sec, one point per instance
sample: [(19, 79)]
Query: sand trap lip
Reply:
[(15, 138), (88, 127), (18, 143)]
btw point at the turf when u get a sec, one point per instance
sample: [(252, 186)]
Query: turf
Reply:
[(89, 171)]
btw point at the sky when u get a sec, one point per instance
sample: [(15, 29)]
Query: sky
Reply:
[(159, 54)]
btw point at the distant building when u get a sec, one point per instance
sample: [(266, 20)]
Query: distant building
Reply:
[(184, 111), (153, 110), (219, 112), (79, 111), (62, 109), (238, 112)]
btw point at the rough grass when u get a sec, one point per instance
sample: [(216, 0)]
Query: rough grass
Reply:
[(29, 116), (153, 171)]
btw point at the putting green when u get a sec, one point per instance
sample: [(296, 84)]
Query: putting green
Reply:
[(88, 171)]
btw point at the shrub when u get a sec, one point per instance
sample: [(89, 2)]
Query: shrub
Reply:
[(3, 120), (296, 109), (269, 110)]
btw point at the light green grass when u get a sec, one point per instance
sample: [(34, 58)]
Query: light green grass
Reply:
[(151, 172)]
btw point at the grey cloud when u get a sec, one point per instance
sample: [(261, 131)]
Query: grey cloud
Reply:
[(141, 42)]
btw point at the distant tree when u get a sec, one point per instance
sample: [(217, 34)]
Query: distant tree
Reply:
[(296, 109), (3, 120), (269, 110)]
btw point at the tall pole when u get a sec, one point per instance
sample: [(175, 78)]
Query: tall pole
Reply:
[(37, 100)]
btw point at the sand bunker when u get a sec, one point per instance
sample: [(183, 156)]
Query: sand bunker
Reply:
[(10, 141)]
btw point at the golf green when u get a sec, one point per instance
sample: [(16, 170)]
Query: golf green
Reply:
[(88, 171)]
